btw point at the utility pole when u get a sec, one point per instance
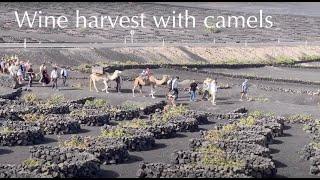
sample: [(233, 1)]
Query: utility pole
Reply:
[(132, 33)]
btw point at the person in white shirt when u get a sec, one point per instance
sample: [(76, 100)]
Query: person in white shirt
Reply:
[(64, 75), (175, 87), (213, 91), (54, 78), (20, 76)]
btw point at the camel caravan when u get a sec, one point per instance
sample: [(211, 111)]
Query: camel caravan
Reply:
[(146, 78)]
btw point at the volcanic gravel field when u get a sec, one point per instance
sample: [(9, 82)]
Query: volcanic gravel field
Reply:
[(284, 149)]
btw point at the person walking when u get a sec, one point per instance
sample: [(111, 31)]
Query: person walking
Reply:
[(213, 91), (30, 75), (171, 98), (23, 69), (64, 75), (118, 81), (193, 89), (2, 65), (54, 78), (20, 75), (205, 88), (13, 71), (244, 89), (41, 69), (169, 84), (175, 87)]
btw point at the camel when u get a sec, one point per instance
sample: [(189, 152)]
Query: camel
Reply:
[(103, 77), (152, 81)]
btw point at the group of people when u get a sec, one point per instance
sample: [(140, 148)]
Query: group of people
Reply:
[(23, 71), (54, 76), (20, 70), (209, 90)]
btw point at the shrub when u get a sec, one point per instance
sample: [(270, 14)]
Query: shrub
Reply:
[(212, 29), (215, 156), (6, 130), (249, 121), (256, 114), (229, 127), (260, 114), (174, 112), (30, 163), (113, 133), (310, 57), (75, 142), (55, 100), (96, 103), (214, 135), (300, 117), (284, 60), (136, 124), (315, 145), (30, 98), (78, 112), (32, 117), (129, 105)]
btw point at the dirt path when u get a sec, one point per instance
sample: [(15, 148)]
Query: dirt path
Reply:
[(288, 162)]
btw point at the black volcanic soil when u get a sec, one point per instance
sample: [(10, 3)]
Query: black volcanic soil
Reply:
[(275, 72), (284, 151)]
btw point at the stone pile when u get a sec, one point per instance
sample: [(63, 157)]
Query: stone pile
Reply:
[(162, 170), (233, 136), (58, 124), (20, 134), (108, 151), (82, 100), (237, 147), (150, 109), (162, 130), (311, 152), (58, 164), (62, 108), (312, 127), (91, 117), (134, 139), (121, 114), (201, 117), (256, 166), (245, 146), (184, 124)]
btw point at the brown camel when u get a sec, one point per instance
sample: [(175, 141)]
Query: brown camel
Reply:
[(152, 81), (104, 77)]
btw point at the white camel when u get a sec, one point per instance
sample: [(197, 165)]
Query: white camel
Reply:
[(105, 78)]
